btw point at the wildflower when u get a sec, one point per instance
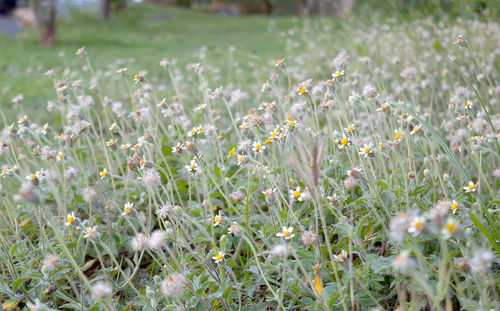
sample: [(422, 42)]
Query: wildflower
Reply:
[(219, 257), (302, 91), (101, 290), (258, 147), (344, 142), (192, 167), (139, 78), (460, 40), (451, 228), (59, 156), (269, 193), (296, 195), (280, 63), (399, 226), (454, 206), (177, 148), (173, 285), (112, 144), (90, 232), (237, 196), (469, 105), (128, 208), (318, 286), (218, 219), (338, 75), (286, 233), (279, 251), (231, 152), (471, 187), (334, 200), (151, 178), (51, 262), (402, 262), (439, 211), (367, 150), (157, 240), (350, 129), (104, 173), (417, 225), (166, 209), (341, 258), (139, 243), (81, 52), (308, 238), (70, 219), (234, 229), (350, 183), (122, 71), (481, 261)]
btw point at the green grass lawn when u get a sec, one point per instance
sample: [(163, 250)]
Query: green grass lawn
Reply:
[(144, 33)]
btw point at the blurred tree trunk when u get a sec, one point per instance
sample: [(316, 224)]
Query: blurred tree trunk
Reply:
[(328, 7), (45, 20), (104, 9)]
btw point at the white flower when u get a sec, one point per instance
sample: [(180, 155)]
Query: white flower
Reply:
[(296, 195), (219, 257), (258, 147), (157, 240), (91, 232), (101, 290), (471, 187), (70, 219), (286, 233), (417, 225), (173, 285)]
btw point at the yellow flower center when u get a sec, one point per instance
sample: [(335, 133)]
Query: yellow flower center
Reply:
[(219, 257), (296, 194), (451, 227), (286, 234), (418, 225), (368, 150), (70, 219), (258, 147), (218, 218), (344, 141), (268, 141), (471, 187)]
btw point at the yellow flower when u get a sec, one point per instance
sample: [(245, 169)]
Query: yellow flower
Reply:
[(318, 286), (231, 152)]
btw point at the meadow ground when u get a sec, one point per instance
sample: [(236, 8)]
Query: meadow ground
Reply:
[(184, 161)]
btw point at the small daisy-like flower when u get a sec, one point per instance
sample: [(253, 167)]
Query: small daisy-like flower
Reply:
[(111, 144), (416, 130), (219, 257), (417, 225), (258, 147), (367, 150), (265, 86), (104, 173), (296, 195), (70, 219), (286, 233), (200, 108), (240, 159), (350, 129), (218, 219), (398, 135), (81, 52), (385, 107), (128, 208), (468, 104), (234, 229), (344, 142), (177, 148), (60, 156), (338, 75), (192, 167), (471, 187), (90, 232), (302, 91), (139, 78), (451, 228), (454, 206)]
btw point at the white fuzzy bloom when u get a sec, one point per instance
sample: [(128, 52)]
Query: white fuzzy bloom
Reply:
[(279, 251), (173, 285), (157, 240), (151, 178), (139, 243), (101, 290)]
